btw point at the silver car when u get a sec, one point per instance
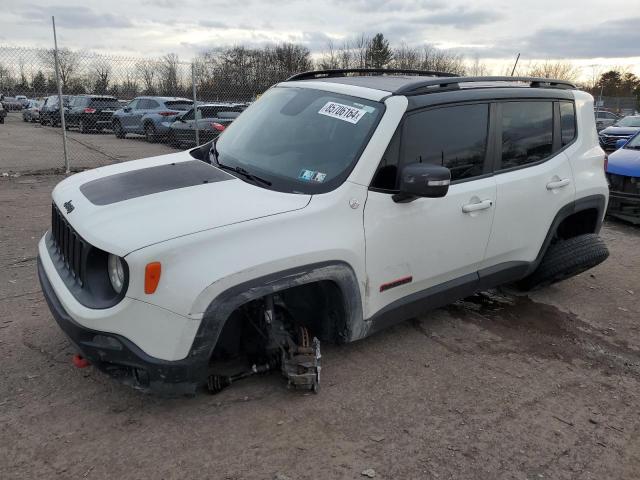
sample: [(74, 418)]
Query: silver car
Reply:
[(605, 119), (31, 113)]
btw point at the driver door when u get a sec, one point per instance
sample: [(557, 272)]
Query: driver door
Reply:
[(430, 248)]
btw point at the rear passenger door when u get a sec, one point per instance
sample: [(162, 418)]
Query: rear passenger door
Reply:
[(429, 242), (533, 175)]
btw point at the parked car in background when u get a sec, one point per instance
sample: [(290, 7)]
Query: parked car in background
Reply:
[(3, 113), (623, 173), (91, 112), (11, 103), (624, 129), (23, 100), (605, 119), (31, 113), (214, 118), (149, 116), (50, 110)]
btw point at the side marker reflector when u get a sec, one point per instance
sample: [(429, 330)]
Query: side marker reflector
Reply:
[(396, 283), (152, 274)]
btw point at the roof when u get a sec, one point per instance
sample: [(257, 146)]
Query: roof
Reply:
[(413, 82)]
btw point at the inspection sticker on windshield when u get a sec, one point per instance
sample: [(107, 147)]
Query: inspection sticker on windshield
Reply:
[(342, 112), (312, 176)]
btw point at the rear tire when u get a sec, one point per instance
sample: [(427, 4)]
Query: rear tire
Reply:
[(566, 259), (150, 133), (83, 127), (118, 130), (173, 140)]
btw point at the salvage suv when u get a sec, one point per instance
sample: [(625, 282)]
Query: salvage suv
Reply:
[(339, 203)]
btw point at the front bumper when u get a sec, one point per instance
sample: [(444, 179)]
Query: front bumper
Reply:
[(122, 359), (625, 206)]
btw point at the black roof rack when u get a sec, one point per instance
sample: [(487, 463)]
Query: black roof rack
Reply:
[(452, 83), (342, 72)]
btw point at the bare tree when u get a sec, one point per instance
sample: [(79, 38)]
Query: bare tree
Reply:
[(102, 76), (478, 69), (147, 70), (406, 57), (68, 62), (441, 60), (169, 74), (557, 69)]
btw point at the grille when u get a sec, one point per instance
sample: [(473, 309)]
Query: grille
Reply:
[(609, 141), (69, 245), (622, 184)]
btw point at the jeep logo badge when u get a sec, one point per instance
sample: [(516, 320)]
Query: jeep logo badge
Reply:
[(69, 206)]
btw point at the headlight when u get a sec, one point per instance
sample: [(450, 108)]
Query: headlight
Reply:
[(116, 272)]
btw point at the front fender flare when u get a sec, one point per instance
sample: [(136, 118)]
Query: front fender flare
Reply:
[(221, 308)]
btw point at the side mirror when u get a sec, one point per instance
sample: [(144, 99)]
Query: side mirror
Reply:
[(621, 143), (127, 108), (422, 180)]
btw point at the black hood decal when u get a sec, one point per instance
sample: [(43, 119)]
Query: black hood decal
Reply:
[(146, 181)]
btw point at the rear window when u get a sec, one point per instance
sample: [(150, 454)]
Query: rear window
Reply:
[(179, 104), (105, 102), (215, 112)]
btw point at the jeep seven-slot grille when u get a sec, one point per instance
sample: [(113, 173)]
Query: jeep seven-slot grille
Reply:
[(69, 245), (623, 184)]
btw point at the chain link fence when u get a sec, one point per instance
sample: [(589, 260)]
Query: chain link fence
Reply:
[(119, 108)]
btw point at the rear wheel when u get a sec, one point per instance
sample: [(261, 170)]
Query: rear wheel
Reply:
[(566, 259), (150, 133), (118, 130), (83, 126)]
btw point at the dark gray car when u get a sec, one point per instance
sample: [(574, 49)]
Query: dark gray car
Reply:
[(214, 118)]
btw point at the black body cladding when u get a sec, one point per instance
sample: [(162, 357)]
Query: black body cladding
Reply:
[(147, 181)]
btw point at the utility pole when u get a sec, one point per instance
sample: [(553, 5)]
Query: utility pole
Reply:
[(60, 102), (515, 64)]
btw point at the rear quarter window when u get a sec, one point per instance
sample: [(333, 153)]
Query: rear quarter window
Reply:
[(527, 132)]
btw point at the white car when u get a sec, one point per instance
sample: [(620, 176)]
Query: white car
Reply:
[(334, 206)]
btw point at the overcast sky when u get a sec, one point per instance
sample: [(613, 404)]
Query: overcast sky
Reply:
[(590, 31)]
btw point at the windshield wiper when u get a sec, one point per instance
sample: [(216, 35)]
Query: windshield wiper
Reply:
[(213, 153)]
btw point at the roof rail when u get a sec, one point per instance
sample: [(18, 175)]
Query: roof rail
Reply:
[(452, 83), (341, 72)]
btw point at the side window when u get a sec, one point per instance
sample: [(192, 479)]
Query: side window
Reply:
[(151, 104), (133, 105), (527, 132), (567, 122), (142, 104), (454, 137)]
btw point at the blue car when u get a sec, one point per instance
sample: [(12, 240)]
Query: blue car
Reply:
[(149, 116), (623, 129), (623, 173)]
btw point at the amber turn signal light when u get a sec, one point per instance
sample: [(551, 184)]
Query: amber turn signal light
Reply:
[(152, 277)]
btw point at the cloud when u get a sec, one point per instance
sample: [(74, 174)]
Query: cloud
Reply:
[(73, 17), (458, 18), (372, 6), (616, 38)]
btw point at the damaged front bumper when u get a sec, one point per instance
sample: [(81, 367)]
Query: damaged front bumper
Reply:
[(122, 359)]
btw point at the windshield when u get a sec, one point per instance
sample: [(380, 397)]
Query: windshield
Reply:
[(633, 143), (629, 122), (299, 139)]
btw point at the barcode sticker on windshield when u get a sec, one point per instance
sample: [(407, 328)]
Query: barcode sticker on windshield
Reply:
[(342, 112)]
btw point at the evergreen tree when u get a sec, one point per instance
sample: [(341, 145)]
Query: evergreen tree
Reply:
[(379, 54)]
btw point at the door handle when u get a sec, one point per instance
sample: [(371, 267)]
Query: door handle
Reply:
[(474, 207), (558, 184)]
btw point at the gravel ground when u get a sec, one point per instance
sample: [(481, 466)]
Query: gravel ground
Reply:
[(496, 386), (29, 147)]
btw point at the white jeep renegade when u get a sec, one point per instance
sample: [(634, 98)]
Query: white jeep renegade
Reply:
[(339, 203)]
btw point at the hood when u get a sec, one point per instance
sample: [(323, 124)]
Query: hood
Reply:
[(624, 161), (125, 207), (620, 131)]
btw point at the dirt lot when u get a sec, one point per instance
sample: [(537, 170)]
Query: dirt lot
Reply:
[(28, 147), (497, 386)]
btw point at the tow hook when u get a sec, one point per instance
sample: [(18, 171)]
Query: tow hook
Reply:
[(79, 361)]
